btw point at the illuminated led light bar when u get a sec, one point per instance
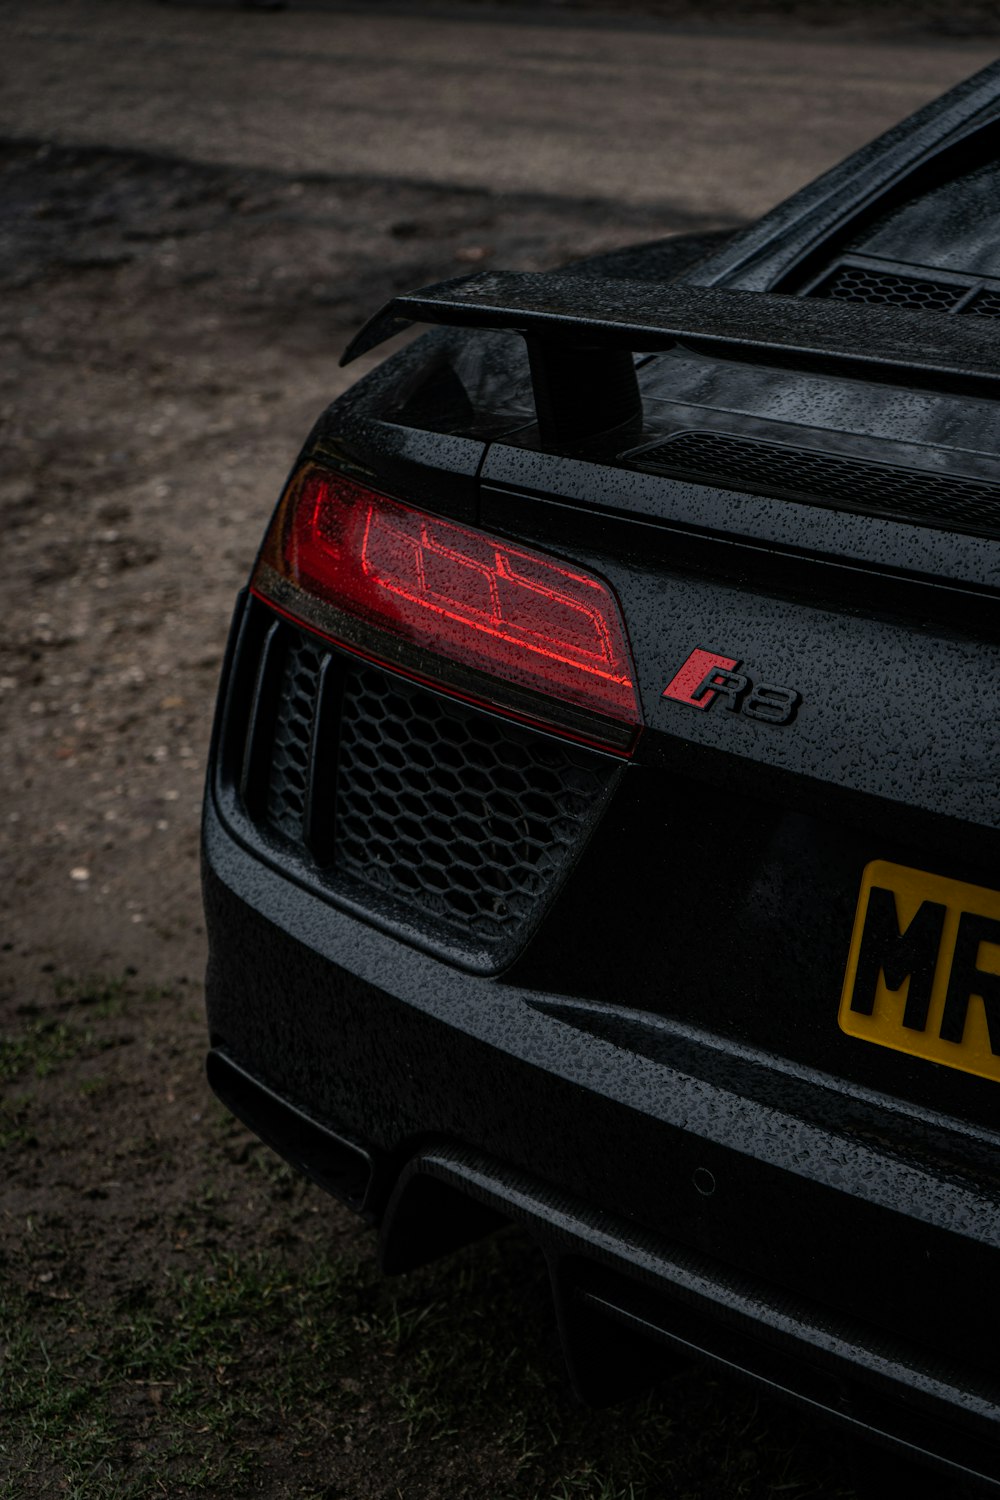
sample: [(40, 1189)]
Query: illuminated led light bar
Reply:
[(437, 598)]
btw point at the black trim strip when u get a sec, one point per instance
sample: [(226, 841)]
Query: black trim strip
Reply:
[(257, 753)]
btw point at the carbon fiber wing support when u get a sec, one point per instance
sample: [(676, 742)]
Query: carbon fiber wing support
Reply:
[(582, 333)]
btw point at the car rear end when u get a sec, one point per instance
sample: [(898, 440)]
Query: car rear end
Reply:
[(686, 959)]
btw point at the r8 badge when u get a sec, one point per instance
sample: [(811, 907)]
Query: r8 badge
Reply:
[(706, 678)]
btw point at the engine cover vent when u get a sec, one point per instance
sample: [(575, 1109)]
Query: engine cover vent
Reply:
[(890, 288), (948, 502), (883, 284)]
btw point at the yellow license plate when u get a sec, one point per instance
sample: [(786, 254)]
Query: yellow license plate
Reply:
[(923, 974)]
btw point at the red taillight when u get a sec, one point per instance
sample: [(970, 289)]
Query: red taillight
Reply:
[(460, 597)]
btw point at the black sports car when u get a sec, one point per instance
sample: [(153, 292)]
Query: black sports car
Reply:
[(602, 821)]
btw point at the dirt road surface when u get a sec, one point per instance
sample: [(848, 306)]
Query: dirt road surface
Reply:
[(520, 101), (199, 205)]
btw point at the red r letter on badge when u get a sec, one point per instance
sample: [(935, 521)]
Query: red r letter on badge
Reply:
[(692, 676)]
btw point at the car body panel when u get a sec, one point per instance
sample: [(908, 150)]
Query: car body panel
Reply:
[(647, 1067)]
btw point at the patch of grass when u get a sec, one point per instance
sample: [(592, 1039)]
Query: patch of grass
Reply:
[(38, 1048), (36, 1393), (235, 1347), (45, 1042), (199, 1380), (102, 996), (93, 1087), (16, 1129)]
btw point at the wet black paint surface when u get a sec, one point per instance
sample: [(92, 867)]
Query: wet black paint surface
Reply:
[(663, 1052)]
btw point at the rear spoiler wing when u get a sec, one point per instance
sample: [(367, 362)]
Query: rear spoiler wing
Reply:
[(582, 331)]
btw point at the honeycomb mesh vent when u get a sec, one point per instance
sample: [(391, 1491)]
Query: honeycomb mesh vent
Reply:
[(416, 805), (289, 770), (466, 817), (985, 304), (947, 501), (890, 288)]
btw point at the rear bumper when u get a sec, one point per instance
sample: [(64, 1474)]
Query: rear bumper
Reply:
[(684, 1200)]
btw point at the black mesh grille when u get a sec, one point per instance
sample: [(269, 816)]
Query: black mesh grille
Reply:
[(890, 288), (852, 484), (286, 788), (469, 818), (423, 807), (985, 304)]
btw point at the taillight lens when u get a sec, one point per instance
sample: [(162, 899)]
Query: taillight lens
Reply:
[(464, 608)]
